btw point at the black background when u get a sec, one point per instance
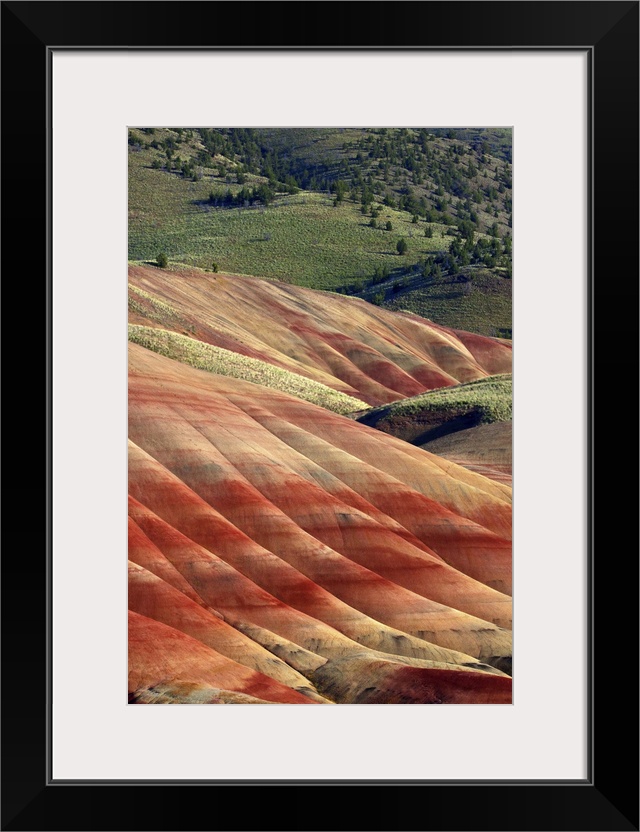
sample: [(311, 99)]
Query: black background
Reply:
[(609, 799)]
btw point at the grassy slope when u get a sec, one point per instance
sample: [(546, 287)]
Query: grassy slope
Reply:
[(310, 243), (492, 396), (226, 363), (484, 305), (499, 139), (330, 149), (429, 415), (304, 239)]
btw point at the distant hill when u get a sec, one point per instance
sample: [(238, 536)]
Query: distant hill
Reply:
[(367, 353), (328, 208), (497, 139), (477, 300)]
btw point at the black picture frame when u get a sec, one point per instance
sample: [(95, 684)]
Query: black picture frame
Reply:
[(608, 798)]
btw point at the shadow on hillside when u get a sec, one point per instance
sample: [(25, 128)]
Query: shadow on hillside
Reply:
[(220, 205), (464, 421)]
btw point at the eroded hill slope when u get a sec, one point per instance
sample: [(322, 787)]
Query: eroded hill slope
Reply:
[(358, 349), (283, 553)]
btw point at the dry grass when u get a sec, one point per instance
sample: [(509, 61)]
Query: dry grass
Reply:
[(227, 363), (491, 397)]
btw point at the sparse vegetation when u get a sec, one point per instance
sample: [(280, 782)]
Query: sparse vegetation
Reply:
[(491, 398), (223, 362), (311, 243), (288, 203), (153, 308), (481, 305)]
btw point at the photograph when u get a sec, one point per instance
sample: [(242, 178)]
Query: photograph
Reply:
[(294, 453), (320, 415)]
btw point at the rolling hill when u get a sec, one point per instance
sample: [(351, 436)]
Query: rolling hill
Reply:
[(319, 410), (355, 348), (326, 208), (469, 424), (486, 449), (277, 546)]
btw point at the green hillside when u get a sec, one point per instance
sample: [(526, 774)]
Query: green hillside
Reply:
[(341, 210), (476, 300), (492, 397), (428, 416)]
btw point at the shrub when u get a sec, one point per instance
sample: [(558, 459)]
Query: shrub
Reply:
[(401, 246), (162, 260)]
